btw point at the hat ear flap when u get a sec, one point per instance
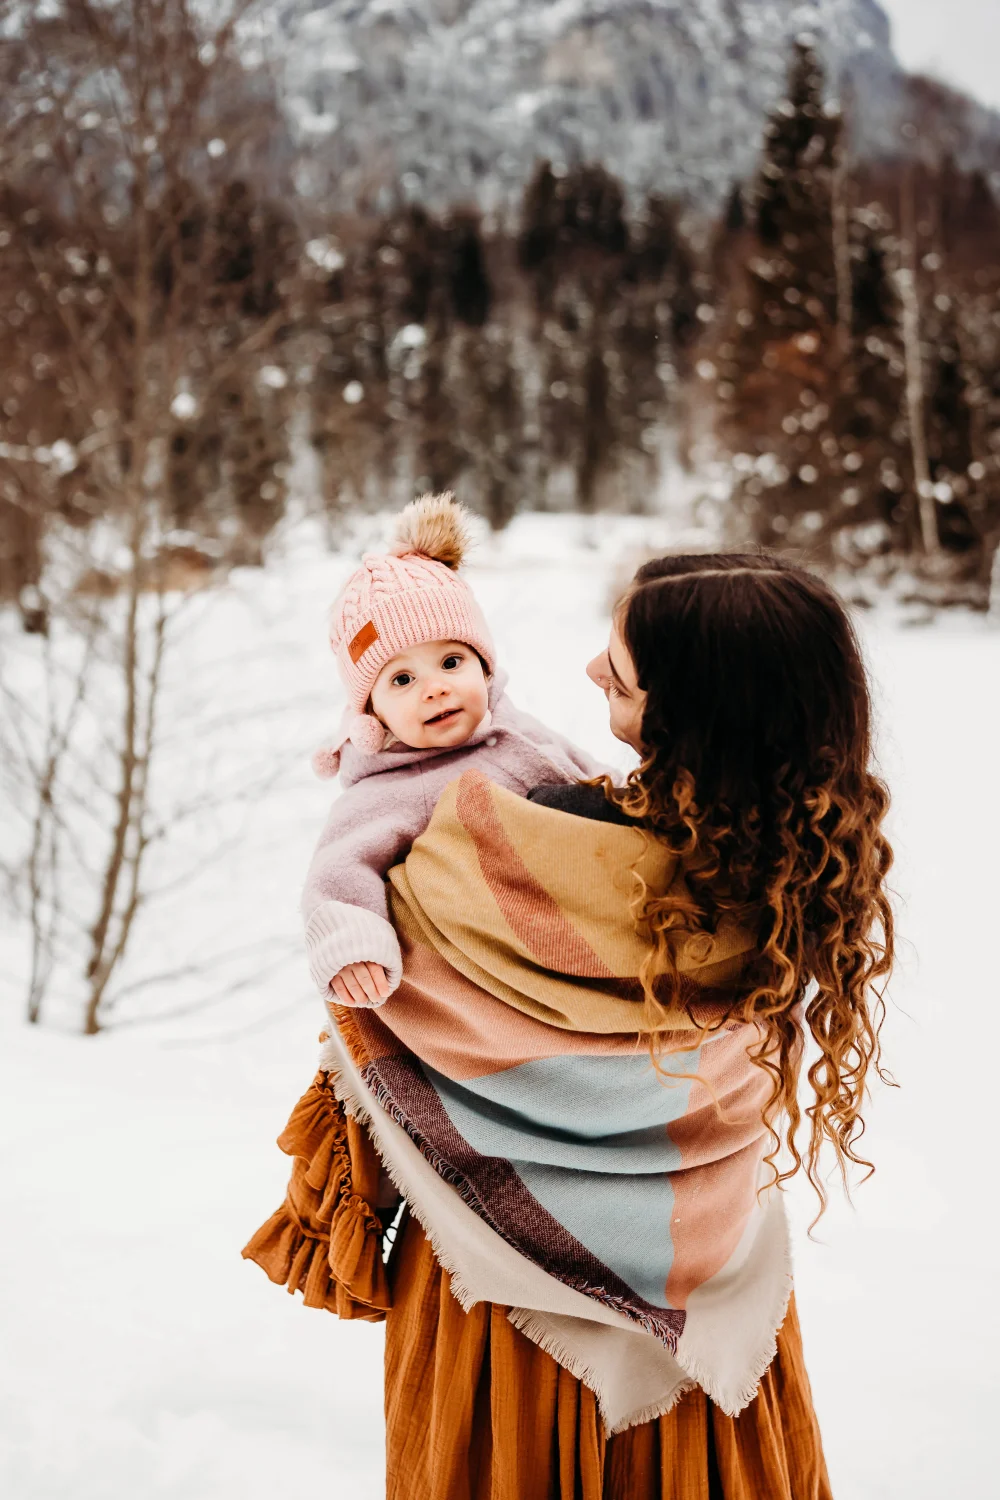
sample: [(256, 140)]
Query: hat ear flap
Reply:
[(326, 763), (367, 734)]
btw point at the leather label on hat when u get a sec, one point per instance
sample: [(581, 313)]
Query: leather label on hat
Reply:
[(366, 636)]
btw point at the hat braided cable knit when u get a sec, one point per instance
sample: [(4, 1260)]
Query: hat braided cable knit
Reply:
[(403, 598)]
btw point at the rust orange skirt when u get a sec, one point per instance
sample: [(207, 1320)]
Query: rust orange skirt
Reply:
[(476, 1411)]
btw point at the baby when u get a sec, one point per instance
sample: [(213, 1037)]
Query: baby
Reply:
[(425, 703)]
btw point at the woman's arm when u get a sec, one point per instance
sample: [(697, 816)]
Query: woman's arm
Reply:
[(582, 801)]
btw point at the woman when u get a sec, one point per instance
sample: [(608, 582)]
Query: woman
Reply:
[(759, 917)]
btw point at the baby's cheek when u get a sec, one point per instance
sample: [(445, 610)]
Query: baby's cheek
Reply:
[(479, 695), (411, 730)]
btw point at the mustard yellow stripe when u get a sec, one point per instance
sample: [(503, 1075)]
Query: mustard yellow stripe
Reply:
[(441, 898)]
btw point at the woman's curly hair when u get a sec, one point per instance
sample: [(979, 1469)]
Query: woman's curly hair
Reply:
[(757, 775)]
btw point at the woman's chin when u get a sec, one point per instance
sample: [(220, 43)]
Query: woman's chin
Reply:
[(622, 734)]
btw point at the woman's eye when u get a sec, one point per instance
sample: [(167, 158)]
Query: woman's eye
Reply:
[(451, 662)]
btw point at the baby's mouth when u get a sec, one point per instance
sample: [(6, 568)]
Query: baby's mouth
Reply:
[(443, 718)]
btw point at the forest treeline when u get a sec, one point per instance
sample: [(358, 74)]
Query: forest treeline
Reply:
[(176, 332)]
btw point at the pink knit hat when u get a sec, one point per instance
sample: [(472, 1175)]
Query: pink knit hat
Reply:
[(403, 598)]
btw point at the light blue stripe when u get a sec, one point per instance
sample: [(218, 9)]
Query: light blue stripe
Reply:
[(597, 1114), (588, 1137), (624, 1221)]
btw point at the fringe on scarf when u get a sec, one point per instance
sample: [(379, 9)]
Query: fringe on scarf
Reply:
[(325, 1240), (542, 1333)]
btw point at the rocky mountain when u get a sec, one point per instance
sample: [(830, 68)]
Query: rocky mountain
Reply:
[(456, 99)]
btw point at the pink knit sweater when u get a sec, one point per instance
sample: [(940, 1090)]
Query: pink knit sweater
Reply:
[(386, 803)]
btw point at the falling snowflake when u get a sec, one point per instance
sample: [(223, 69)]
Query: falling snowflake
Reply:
[(183, 406), (324, 253), (272, 376), (62, 456)]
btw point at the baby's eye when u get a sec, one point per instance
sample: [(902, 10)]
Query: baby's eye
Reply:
[(451, 662), (402, 679)]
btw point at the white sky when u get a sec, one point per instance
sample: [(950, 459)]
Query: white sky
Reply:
[(955, 40)]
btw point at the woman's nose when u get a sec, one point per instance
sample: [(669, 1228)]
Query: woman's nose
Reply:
[(599, 670)]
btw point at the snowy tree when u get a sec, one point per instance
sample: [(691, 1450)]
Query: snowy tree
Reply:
[(134, 315), (616, 312), (771, 357), (794, 283)]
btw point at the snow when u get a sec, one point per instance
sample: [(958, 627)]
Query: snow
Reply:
[(142, 1358)]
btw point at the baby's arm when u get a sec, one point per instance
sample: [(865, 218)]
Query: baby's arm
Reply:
[(348, 933)]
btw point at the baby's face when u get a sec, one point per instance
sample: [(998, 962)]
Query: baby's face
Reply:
[(433, 696)]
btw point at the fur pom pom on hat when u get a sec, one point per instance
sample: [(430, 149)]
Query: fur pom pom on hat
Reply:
[(364, 731), (434, 526), (402, 598)]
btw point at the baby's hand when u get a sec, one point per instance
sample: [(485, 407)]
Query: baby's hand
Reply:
[(360, 984)]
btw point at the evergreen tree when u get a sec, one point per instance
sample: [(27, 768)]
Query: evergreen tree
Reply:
[(870, 471), (490, 423), (357, 400), (439, 450), (572, 227), (597, 436), (963, 367), (617, 312), (727, 254), (193, 478), (469, 291), (417, 238), (662, 266), (793, 204), (255, 459), (541, 219), (775, 358), (256, 248), (949, 431)]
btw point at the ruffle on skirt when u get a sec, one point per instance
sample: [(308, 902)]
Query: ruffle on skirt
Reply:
[(474, 1409), (325, 1240)]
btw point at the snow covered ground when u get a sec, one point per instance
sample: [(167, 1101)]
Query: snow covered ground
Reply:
[(141, 1359)]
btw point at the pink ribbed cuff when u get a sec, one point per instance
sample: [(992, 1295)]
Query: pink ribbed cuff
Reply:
[(338, 934)]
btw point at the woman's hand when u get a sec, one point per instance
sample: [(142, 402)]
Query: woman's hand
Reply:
[(360, 984)]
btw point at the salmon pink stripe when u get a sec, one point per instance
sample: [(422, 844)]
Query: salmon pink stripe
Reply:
[(533, 915), (464, 1032), (722, 1139)]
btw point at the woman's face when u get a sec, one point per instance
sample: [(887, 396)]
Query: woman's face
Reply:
[(614, 673)]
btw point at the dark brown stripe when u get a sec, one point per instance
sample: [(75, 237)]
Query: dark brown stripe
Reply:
[(491, 1186)]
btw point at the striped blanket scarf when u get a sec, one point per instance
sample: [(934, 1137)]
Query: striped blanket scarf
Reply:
[(510, 1091)]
